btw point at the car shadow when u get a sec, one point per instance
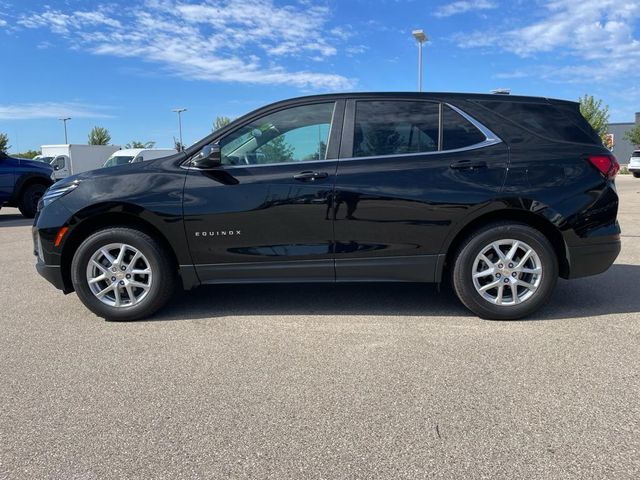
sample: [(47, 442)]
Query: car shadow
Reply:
[(14, 220), (600, 295)]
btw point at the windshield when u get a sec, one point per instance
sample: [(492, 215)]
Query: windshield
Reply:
[(117, 160)]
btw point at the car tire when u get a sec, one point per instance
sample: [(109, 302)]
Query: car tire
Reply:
[(636, 174), (122, 274), (29, 199), (508, 285)]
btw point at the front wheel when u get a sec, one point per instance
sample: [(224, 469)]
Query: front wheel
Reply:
[(505, 271), (29, 199), (122, 274)]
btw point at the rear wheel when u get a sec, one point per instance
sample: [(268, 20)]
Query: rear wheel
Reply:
[(505, 271), (636, 174), (29, 199), (122, 274)]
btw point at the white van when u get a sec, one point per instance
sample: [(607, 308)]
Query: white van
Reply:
[(70, 159), (134, 155)]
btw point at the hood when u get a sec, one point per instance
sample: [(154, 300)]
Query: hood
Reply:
[(34, 164)]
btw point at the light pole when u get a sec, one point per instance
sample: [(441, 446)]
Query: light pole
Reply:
[(421, 38), (179, 112), (64, 120)]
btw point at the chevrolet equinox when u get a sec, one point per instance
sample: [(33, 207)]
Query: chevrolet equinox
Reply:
[(501, 194)]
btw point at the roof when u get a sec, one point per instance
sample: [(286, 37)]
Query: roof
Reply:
[(429, 95)]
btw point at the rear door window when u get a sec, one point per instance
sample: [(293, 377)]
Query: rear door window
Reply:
[(395, 128), (458, 132), (384, 128)]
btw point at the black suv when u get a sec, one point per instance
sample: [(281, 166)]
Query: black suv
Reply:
[(501, 193)]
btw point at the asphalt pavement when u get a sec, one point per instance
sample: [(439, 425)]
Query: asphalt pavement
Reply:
[(321, 381)]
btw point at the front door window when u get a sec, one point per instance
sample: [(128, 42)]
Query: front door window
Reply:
[(297, 134)]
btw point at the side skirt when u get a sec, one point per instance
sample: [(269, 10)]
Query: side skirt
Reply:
[(420, 268)]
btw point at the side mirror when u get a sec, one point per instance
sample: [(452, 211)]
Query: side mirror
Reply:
[(56, 168), (209, 157)]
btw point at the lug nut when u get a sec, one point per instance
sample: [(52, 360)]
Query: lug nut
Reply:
[(121, 282), (511, 265), (498, 275), (123, 268), (500, 265), (129, 276), (506, 280), (114, 269), (514, 274), (113, 279)]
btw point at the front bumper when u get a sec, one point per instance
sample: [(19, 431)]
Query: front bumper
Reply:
[(592, 259), (51, 273)]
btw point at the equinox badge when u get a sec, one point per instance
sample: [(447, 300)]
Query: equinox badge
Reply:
[(219, 233)]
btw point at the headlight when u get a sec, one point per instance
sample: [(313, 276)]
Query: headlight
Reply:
[(55, 193), (53, 176)]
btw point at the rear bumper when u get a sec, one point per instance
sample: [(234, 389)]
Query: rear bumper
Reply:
[(591, 259), (51, 273)]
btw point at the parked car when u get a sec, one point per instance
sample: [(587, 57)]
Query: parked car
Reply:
[(73, 159), (634, 163), (502, 194), (135, 155), (23, 182)]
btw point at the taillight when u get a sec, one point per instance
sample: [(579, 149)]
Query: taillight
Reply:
[(607, 164)]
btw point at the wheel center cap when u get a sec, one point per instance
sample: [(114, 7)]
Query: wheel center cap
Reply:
[(120, 275)]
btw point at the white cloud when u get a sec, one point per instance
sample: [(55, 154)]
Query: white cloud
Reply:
[(245, 41), (463, 6), (3, 23), (597, 33), (29, 111)]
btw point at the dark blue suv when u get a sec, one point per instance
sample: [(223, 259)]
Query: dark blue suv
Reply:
[(23, 182)]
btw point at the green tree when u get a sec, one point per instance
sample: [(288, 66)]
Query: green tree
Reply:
[(177, 145), (99, 136), (320, 154), (633, 135), (277, 150), (596, 114), (136, 144), (29, 154), (221, 121), (4, 143)]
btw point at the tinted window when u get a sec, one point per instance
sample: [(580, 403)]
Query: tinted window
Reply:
[(458, 132), (557, 122), (296, 134), (395, 127), (636, 153)]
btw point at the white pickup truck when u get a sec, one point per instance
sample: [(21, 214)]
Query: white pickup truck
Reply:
[(72, 159)]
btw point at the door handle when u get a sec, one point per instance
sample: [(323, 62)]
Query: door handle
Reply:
[(468, 164), (310, 176)]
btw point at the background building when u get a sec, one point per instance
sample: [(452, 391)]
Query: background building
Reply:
[(622, 148)]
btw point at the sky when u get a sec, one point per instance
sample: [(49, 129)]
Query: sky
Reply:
[(125, 64)]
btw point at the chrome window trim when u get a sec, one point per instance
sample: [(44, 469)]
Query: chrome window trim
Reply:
[(490, 139)]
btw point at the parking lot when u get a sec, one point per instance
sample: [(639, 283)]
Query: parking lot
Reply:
[(321, 381)]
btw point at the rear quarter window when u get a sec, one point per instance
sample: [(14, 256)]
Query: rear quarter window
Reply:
[(556, 122)]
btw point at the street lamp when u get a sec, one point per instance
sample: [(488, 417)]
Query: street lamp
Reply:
[(421, 38), (64, 120), (179, 112)]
